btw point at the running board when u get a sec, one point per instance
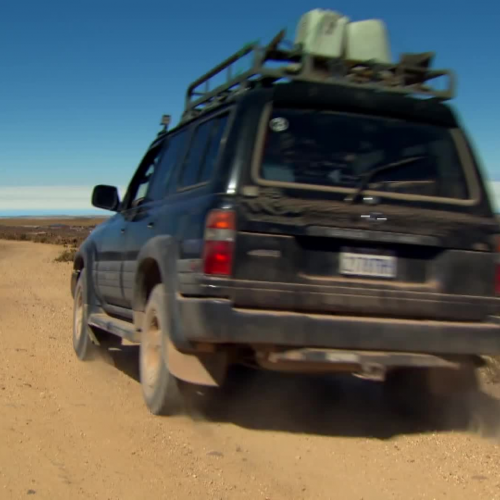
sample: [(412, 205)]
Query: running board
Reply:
[(117, 327)]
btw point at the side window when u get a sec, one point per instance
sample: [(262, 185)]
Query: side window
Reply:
[(197, 150), (142, 180), (213, 149), (143, 186), (173, 155)]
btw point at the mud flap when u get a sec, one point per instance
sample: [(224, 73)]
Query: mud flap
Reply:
[(207, 369)]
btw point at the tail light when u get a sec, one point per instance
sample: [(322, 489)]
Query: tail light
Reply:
[(220, 233)]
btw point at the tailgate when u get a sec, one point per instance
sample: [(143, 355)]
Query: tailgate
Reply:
[(305, 253), (344, 204)]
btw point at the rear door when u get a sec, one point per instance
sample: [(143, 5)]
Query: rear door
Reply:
[(139, 216), (149, 218), (190, 196), (419, 223)]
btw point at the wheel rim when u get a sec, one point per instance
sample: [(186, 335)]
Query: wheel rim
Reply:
[(78, 318), (151, 356)]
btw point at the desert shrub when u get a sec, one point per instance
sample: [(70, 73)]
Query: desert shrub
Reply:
[(67, 255)]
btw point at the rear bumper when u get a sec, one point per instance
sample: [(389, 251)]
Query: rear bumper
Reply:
[(350, 297), (217, 321)]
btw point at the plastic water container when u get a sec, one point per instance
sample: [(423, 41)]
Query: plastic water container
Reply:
[(321, 33), (368, 40)]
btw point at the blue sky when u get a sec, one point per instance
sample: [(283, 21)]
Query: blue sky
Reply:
[(83, 85)]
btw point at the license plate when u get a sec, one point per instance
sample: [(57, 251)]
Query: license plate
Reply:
[(373, 266)]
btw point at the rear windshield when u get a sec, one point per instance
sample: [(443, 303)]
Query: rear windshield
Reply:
[(334, 150)]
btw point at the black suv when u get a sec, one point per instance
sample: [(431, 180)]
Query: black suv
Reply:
[(298, 220)]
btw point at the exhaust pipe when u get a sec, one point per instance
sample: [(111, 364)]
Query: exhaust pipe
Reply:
[(372, 371)]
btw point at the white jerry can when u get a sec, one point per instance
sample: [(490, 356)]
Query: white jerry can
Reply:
[(329, 34), (321, 33), (368, 41)]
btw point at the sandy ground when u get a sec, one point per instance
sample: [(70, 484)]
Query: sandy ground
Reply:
[(73, 430)]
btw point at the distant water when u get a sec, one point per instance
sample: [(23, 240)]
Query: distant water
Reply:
[(52, 213)]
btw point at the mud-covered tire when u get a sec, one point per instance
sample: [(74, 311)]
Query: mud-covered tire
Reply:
[(431, 393), (83, 346), (160, 389)]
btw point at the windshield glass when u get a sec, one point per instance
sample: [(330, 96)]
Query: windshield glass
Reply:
[(335, 150)]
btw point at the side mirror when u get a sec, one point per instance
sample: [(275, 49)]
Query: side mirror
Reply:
[(106, 197)]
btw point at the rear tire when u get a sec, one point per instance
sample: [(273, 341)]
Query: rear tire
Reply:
[(160, 389), (84, 348)]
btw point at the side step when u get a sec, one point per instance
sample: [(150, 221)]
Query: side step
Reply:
[(117, 327)]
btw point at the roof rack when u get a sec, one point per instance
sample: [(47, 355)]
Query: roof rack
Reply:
[(409, 76)]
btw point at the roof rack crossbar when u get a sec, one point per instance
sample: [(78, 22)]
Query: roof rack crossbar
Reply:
[(224, 65), (409, 76)]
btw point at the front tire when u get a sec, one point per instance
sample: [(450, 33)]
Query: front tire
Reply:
[(83, 346)]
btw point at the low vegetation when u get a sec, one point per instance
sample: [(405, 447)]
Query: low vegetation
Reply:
[(68, 233), (67, 255)]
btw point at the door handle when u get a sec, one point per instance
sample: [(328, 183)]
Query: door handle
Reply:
[(122, 230), (151, 225)]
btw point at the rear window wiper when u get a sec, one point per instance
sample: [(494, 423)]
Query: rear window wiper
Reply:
[(369, 176)]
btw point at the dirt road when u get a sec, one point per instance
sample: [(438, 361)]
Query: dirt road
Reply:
[(70, 430)]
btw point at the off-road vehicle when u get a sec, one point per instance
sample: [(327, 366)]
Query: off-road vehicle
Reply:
[(318, 212)]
